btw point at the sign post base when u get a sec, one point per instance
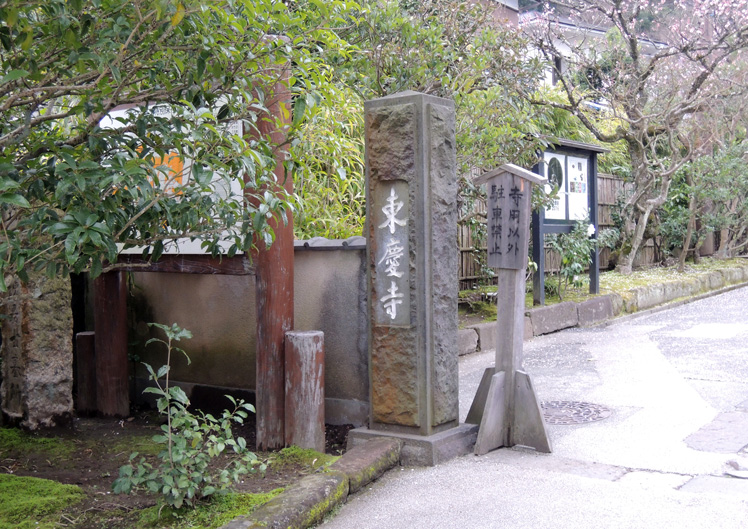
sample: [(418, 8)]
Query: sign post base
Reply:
[(523, 425)]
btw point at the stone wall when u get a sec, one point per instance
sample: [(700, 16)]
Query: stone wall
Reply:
[(329, 296)]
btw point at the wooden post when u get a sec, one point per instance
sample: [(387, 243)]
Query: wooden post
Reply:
[(505, 405), (595, 253), (538, 256), (85, 372), (274, 285), (305, 389), (110, 313)]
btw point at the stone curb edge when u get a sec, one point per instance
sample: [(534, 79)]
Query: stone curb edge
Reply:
[(609, 308), (306, 502)]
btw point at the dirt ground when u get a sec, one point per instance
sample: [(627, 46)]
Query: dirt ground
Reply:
[(102, 446)]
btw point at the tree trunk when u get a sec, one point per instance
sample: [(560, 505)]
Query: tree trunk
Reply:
[(690, 229), (626, 261), (724, 236)]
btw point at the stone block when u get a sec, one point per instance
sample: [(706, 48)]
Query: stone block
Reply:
[(649, 296), (554, 318), (467, 341), (616, 303), (595, 310), (411, 189), (716, 280), (703, 283), (732, 275), (678, 289), (37, 352), (528, 328), (421, 450), (486, 335), (303, 504), (630, 302), (366, 462)]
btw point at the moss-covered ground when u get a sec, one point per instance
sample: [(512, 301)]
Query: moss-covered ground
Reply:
[(27, 502), (480, 305), (81, 463)]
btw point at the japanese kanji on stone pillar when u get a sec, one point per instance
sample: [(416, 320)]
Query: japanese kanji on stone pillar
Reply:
[(505, 405), (411, 215)]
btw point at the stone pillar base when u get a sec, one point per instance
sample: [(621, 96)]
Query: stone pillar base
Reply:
[(424, 451)]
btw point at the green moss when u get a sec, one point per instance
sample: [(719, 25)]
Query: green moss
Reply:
[(13, 440), (305, 457), (483, 309), (144, 445), (319, 511), (215, 513), (34, 503)]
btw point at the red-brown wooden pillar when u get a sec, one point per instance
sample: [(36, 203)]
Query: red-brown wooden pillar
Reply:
[(274, 287), (85, 372), (110, 313)]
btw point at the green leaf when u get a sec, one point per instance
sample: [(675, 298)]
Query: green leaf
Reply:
[(179, 15), (96, 268), (26, 39), (299, 108), (14, 75), (179, 395), (14, 200)]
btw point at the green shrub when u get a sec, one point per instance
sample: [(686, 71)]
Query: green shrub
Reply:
[(191, 442)]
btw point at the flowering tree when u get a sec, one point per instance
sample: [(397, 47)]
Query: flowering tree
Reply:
[(650, 67)]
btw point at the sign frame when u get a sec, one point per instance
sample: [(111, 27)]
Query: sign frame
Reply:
[(542, 225)]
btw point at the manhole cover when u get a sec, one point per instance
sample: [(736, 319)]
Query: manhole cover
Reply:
[(571, 412)]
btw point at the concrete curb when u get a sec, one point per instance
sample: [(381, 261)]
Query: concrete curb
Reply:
[(607, 308), (306, 502)]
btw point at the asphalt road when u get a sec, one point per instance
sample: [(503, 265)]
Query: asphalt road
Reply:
[(676, 386)]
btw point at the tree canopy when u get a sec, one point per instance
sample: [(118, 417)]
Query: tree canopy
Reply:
[(647, 68), (446, 48), (182, 156)]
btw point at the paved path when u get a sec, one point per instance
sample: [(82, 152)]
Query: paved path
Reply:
[(677, 385)]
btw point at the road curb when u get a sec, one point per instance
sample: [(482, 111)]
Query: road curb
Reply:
[(308, 501), (612, 308)]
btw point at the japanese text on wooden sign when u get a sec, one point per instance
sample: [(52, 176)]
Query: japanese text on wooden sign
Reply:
[(508, 221)]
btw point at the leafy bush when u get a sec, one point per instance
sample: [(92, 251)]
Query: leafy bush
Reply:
[(575, 250), (192, 440)]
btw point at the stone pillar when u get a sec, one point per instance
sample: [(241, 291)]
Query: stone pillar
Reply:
[(37, 353), (411, 215)]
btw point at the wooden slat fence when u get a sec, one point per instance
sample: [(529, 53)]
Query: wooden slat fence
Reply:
[(472, 251)]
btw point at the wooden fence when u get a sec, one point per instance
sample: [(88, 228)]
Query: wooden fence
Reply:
[(472, 250)]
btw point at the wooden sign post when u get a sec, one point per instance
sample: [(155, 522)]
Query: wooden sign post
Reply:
[(505, 405)]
